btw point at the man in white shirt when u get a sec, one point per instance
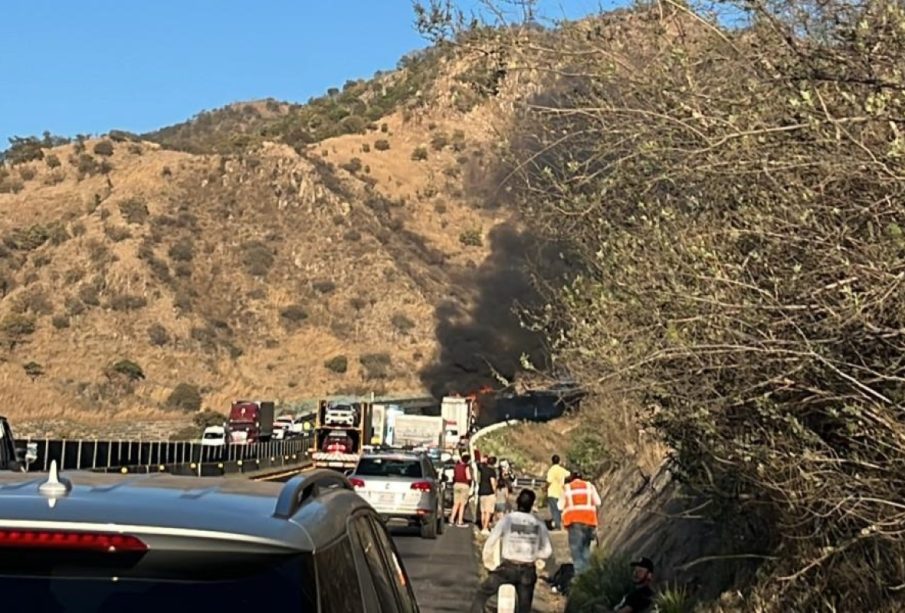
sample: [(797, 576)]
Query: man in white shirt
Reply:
[(525, 540)]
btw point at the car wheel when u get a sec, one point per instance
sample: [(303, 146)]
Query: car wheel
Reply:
[(429, 528)]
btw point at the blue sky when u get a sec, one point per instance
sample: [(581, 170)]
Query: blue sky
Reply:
[(89, 66)]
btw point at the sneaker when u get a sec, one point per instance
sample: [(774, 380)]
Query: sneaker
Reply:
[(485, 532), (461, 525)]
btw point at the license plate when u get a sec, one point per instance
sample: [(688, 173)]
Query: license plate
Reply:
[(386, 498)]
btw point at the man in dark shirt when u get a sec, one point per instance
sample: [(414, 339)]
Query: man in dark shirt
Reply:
[(641, 596), (486, 491)]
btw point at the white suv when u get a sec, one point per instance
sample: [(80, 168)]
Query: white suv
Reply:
[(340, 415)]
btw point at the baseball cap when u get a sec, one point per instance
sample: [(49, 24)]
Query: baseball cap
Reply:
[(645, 563)]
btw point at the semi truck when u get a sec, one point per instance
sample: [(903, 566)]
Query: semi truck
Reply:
[(418, 431), (458, 412), (250, 421), (342, 429)]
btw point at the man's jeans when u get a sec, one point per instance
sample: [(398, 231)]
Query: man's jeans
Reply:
[(522, 576), (580, 537), (555, 513)]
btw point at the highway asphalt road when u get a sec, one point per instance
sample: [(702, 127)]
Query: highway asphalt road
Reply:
[(444, 572)]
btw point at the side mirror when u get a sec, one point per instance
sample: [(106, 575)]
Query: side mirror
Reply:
[(31, 453)]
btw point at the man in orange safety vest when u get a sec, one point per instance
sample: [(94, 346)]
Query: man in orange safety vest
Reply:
[(579, 504)]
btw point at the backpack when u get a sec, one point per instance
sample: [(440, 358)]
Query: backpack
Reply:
[(562, 578)]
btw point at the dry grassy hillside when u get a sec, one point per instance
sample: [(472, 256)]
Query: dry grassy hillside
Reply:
[(241, 275)]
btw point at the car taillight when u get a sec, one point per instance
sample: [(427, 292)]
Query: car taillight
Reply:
[(61, 539), (422, 486), (356, 482)]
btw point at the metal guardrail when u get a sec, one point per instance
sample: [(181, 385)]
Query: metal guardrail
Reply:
[(184, 457)]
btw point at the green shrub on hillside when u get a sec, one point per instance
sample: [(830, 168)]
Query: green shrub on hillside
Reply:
[(324, 286), (338, 364), (185, 397), (86, 165), (40, 260), (472, 237), (381, 144), (74, 306), (60, 322), (23, 149), (117, 233), (134, 210), (458, 141), (27, 239), (57, 233), (182, 250), (34, 300), (127, 369), (122, 136), (439, 140), (33, 370), (402, 323), (126, 302), (419, 153), (293, 315), (104, 148), (257, 258), (354, 165), (15, 328), (353, 124), (376, 365), (158, 335)]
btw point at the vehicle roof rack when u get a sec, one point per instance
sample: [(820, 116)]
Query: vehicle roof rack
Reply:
[(304, 487)]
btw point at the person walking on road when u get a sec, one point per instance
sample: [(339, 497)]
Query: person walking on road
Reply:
[(579, 515), (487, 481), (525, 540), (503, 490), (461, 490), (556, 480)]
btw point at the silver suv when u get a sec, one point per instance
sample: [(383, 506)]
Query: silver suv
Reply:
[(402, 487), (157, 543)]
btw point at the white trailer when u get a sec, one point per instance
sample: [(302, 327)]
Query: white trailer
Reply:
[(418, 431), (458, 410)]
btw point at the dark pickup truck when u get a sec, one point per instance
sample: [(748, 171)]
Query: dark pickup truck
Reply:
[(12, 458)]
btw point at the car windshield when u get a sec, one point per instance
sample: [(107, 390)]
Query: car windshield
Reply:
[(389, 467), (260, 587), (212, 435)]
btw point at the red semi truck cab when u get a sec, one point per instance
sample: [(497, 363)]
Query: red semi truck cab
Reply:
[(250, 422)]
